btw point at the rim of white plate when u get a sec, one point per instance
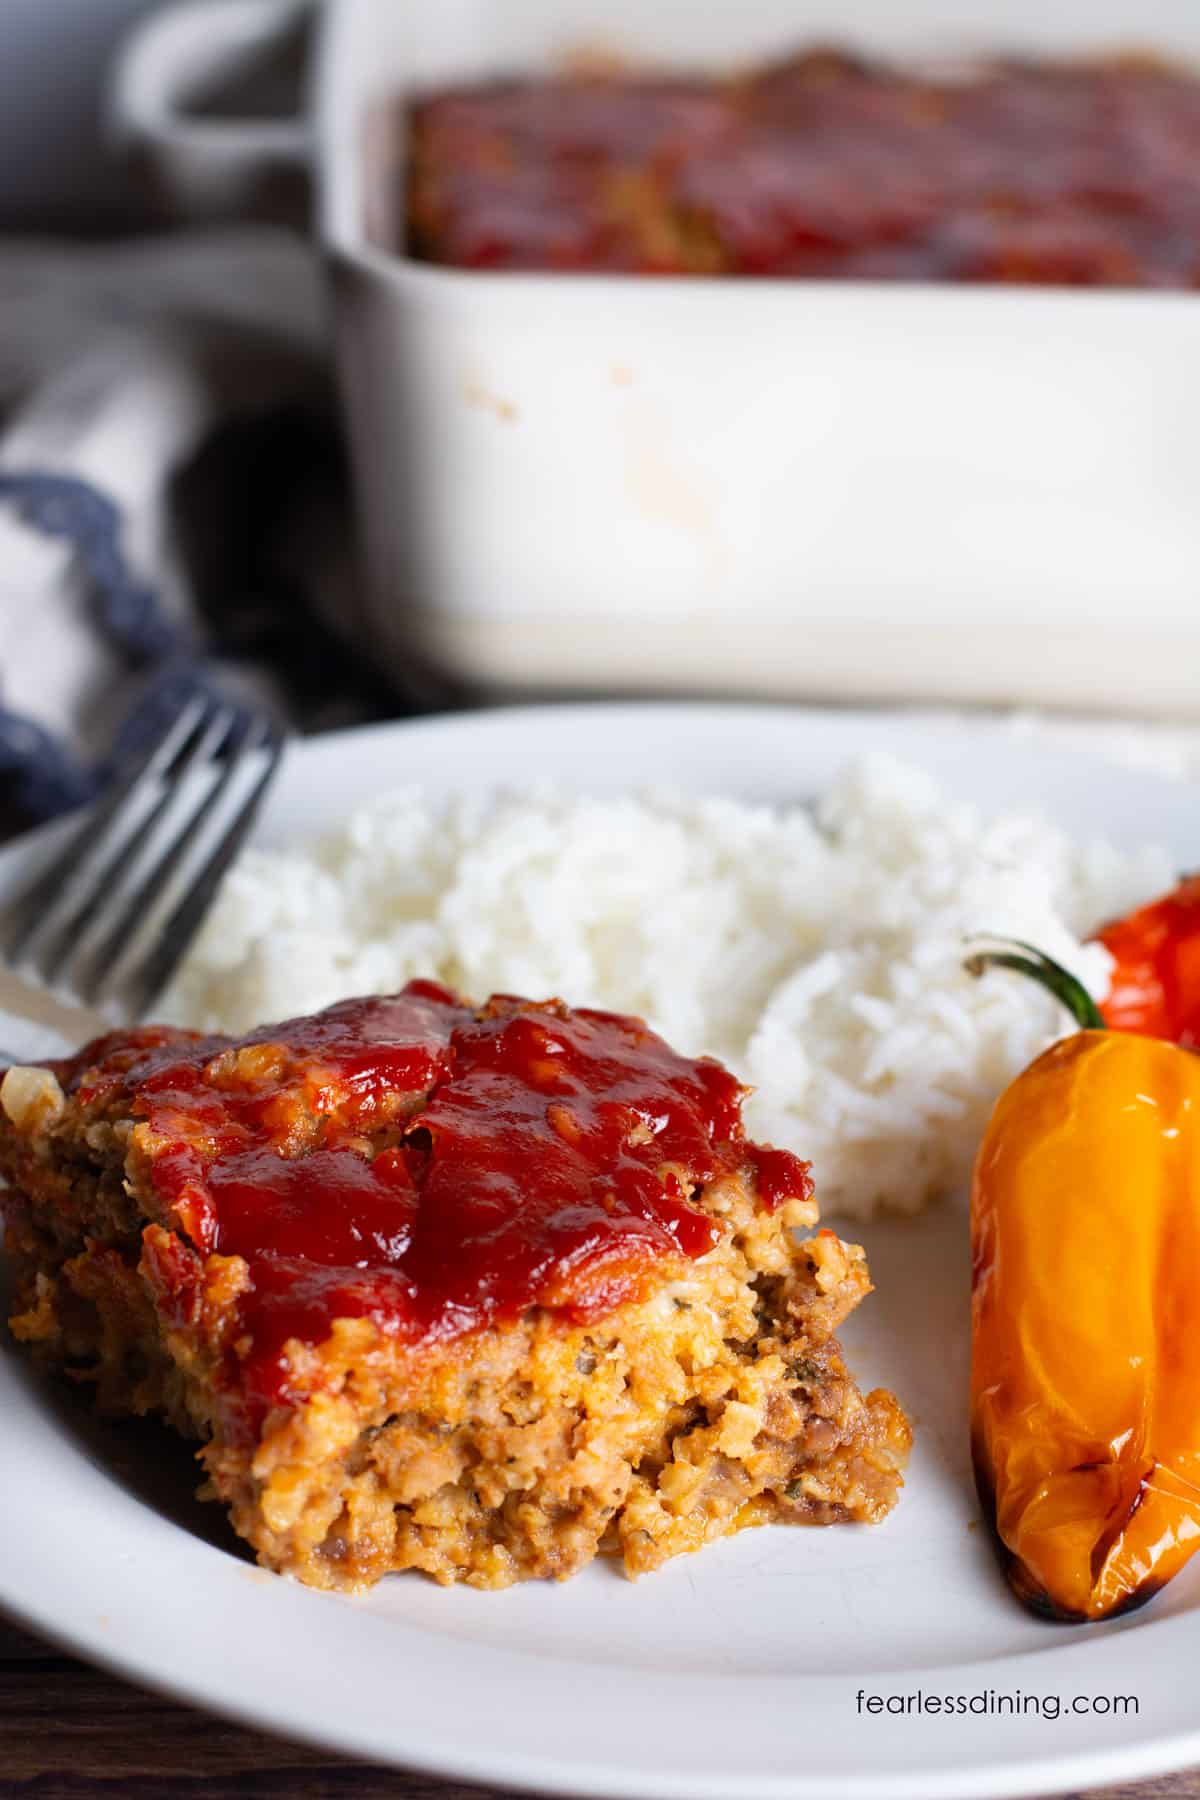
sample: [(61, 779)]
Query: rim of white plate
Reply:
[(86, 1563)]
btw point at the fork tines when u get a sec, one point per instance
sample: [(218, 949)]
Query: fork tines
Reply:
[(107, 921)]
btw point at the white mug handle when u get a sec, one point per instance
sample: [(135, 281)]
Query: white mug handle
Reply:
[(208, 166)]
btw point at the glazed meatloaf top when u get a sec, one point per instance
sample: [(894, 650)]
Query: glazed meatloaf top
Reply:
[(430, 1166), (824, 164)]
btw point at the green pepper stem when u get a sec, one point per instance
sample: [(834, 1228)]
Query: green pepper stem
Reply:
[(1066, 988)]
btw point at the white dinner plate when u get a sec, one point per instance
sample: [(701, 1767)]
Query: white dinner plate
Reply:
[(782, 1663)]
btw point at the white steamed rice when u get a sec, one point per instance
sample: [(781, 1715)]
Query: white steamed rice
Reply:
[(820, 958)]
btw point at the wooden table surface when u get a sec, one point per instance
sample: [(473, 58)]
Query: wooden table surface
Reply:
[(68, 1732)]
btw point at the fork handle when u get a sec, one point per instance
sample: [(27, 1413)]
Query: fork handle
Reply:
[(37, 1006)]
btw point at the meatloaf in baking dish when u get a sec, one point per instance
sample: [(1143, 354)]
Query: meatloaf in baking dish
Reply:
[(826, 164), (476, 1291)]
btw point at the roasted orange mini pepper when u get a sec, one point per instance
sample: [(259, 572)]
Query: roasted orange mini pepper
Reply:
[(1085, 1372)]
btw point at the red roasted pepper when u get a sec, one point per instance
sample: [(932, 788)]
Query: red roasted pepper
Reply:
[(1155, 988)]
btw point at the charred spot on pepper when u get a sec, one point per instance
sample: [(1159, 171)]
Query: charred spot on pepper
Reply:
[(1028, 1590), (1033, 1595), (1103, 1546), (1136, 1599), (985, 1487)]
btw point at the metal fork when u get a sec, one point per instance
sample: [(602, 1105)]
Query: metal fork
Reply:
[(94, 938)]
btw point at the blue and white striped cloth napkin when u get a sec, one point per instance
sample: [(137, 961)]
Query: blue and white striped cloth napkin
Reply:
[(171, 501)]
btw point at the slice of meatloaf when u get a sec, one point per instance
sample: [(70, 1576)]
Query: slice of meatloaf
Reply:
[(479, 1292)]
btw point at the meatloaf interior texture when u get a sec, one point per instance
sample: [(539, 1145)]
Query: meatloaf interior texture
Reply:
[(480, 1292)]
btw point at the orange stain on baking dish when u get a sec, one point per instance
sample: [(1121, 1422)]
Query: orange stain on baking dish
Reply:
[(662, 486), (476, 394)]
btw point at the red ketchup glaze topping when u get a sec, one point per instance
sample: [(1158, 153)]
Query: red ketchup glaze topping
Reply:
[(778, 1175), (824, 166), (436, 1169)]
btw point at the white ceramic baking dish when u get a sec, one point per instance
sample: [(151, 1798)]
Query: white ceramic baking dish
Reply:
[(757, 486)]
